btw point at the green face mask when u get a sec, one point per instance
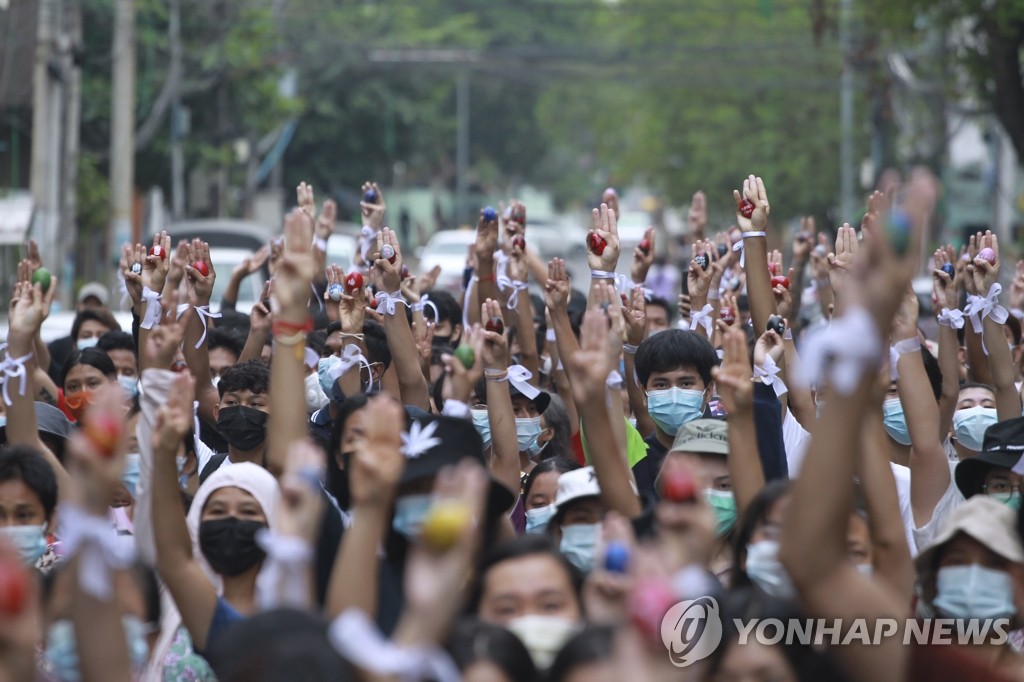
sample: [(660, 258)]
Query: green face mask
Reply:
[(1010, 499), (724, 504)]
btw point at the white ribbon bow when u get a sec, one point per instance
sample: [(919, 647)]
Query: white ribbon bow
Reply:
[(738, 246), (980, 307), (703, 318), (151, 317), (520, 377), (13, 368), (388, 301), (615, 380), (769, 375), (831, 351), (182, 308), (204, 312), (425, 303), (516, 285), (101, 549), (350, 356), (281, 581), (367, 236), (951, 318), (358, 640)]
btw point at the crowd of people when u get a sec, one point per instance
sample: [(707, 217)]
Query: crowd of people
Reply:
[(370, 478)]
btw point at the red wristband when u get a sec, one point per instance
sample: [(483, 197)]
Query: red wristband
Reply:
[(487, 278), (281, 327)]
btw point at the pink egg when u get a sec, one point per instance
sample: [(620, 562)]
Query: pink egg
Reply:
[(987, 254)]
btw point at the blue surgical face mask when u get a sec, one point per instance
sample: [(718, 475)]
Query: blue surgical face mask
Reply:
[(974, 592), (30, 541), (672, 407), (1010, 499), (527, 432), (764, 568), (483, 425), (724, 504), (82, 344), (969, 426), (579, 543), (324, 367), (130, 477), (537, 519), (409, 514), (130, 385), (894, 421), (62, 651)]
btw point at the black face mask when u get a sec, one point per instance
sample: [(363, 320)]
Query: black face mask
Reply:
[(229, 545), (244, 428), (441, 340)]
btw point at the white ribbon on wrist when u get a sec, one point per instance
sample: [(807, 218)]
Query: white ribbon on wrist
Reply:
[(738, 246), (182, 309), (828, 352), (350, 356), (951, 318), (703, 318), (505, 283), (769, 375), (204, 312), (386, 302), (367, 237), (13, 368), (151, 317), (423, 304), (520, 377), (901, 348), (980, 307), (100, 549), (281, 581), (615, 380), (358, 640)]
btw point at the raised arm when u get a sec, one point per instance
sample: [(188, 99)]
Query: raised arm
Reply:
[(412, 384), (376, 466), (287, 422), (589, 368), (556, 297), (192, 591), (504, 443), (485, 281), (732, 380), (634, 314), (248, 267), (803, 242), (752, 211), (521, 315), (197, 322), (945, 289)]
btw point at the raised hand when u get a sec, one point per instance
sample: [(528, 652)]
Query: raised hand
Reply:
[(842, 261), (132, 281), (325, 223), (642, 260), (260, 317), (377, 460), (29, 307), (904, 325), (556, 288), (305, 200), (390, 273), (784, 298), (634, 317), (605, 232), (426, 281), (804, 241), (698, 278), (611, 197), (733, 376), (945, 288), (697, 215), (174, 419), (462, 380), (753, 192), (373, 214), (252, 264), (156, 266), (486, 239), (176, 267), (32, 255), (296, 270), (495, 345), (200, 284), (590, 366), (981, 273)]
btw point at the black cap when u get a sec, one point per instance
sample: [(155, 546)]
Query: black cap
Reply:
[(440, 441), (1002, 447)]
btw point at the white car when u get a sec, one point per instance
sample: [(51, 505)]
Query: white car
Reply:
[(341, 251), (225, 259), (449, 249)]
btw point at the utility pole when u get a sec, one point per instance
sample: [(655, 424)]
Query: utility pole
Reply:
[(122, 129), (461, 146), (178, 126), (45, 134), (847, 166), (72, 123)]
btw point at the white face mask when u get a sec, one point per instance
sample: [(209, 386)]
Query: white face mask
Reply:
[(315, 398), (543, 636), (765, 570)]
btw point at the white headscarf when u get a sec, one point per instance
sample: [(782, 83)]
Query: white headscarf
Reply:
[(254, 480)]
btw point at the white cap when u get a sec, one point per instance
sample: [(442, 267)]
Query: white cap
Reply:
[(572, 485)]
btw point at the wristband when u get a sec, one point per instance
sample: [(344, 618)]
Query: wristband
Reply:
[(13, 368), (351, 336), (829, 355), (738, 246), (283, 327), (899, 348), (386, 302), (151, 317), (549, 335), (980, 307), (291, 339), (320, 243), (204, 312), (629, 348), (496, 374), (788, 334), (602, 274), (769, 376), (951, 318)]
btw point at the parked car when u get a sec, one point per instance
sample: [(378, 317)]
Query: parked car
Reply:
[(58, 324), (447, 248), (341, 251)]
